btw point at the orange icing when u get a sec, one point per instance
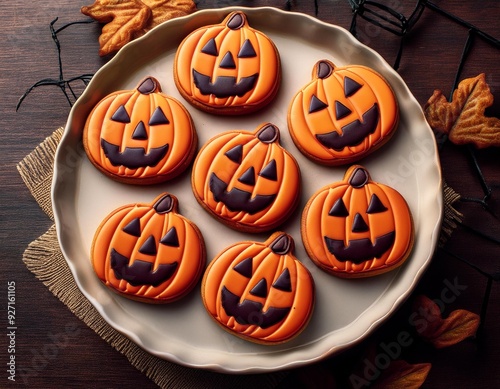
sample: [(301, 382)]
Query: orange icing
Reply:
[(268, 265), (178, 135), (318, 224), (329, 89), (256, 155), (265, 64), (189, 253)]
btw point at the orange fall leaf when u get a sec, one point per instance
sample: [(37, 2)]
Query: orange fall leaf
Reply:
[(459, 325), (401, 374), (463, 119), (163, 10), (126, 20), (122, 18)]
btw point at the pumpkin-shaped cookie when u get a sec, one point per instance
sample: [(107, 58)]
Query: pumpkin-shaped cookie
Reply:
[(140, 136), (259, 291), (228, 68), (343, 114), (246, 179), (149, 252), (357, 227)]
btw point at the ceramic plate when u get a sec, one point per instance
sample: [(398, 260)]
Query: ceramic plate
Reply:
[(346, 310)]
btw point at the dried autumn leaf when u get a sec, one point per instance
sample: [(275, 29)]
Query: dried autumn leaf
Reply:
[(122, 18), (463, 118), (459, 325), (163, 10), (401, 374)]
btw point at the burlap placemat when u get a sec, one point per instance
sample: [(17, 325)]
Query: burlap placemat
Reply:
[(45, 260)]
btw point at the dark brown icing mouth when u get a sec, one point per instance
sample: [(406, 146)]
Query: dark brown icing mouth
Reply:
[(250, 312), (353, 133), (224, 86), (237, 200), (360, 250), (140, 272), (133, 157)]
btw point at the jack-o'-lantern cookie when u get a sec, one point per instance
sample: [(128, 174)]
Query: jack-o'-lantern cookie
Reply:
[(140, 136), (228, 68), (357, 227), (259, 291), (149, 252), (247, 179), (343, 114)]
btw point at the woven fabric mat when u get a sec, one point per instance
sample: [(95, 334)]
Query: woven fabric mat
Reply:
[(44, 259)]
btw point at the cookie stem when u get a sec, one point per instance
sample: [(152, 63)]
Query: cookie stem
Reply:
[(359, 177), (282, 244), (166, 203), (268, 133), (236, 20), (149, 85)]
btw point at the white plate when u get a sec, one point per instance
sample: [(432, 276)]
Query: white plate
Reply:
[(346, 310)]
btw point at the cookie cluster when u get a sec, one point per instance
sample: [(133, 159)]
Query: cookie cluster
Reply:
[(248, 181)]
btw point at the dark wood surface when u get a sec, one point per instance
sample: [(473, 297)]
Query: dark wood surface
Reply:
[(430, 59)]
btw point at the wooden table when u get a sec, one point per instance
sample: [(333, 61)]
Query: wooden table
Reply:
[(430, 58)]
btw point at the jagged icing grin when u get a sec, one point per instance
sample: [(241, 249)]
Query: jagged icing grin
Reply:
[(224, 86), (237, 199), (140, 272), (133, 157), (250, 312), (360, 250), (353, 133)]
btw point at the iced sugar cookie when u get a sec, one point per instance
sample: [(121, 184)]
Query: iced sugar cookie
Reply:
[(140, 136), (246, 179), (343, 114), (357, 227), (149, 252), (228, 68), (259, 291)]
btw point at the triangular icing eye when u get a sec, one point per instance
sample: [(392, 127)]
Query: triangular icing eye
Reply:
[(260, 289), (341, 111), (316, 105), (121, 115), (158, 117), (283, 282), (248, 177), (339, 209), (350, 86), (269, 171), (375, 205), (247, 50), (170, 238), (245, 267), (235, 154), (359, 225), (210, 48), (228, 61), (140, 132), (133, 228), (149, 246)]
